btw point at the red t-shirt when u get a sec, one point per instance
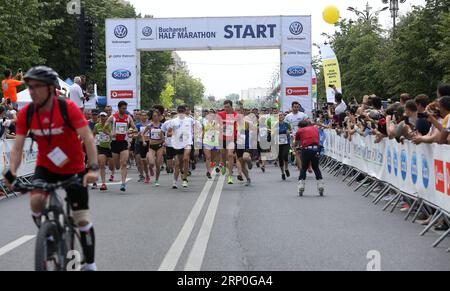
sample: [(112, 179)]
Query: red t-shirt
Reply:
[(62, 136), (308, 136), (229, 128)]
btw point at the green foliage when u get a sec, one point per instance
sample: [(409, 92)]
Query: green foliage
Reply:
[(42, 32), (414, 58)]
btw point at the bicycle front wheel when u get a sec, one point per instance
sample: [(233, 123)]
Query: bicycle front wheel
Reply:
[(48, 248)]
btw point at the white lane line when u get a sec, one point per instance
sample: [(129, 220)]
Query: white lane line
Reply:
[(173, 255), (195, 259), (18, 242)]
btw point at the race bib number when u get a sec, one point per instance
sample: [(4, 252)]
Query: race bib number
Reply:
[(263, 131), (282, 139), (58, 157), (210, 136), (121, 127), (228, 130), (155, 134)]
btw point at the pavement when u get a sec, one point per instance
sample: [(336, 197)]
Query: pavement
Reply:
[(212, 226)]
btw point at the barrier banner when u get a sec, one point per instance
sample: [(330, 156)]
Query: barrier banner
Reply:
[(29, 157), (419, 170)]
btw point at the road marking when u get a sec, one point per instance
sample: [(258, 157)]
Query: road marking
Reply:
[(18, 242), (173, 255), (195, 259)]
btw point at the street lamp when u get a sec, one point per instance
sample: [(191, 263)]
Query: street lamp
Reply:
[(393, 7), (366, 15)]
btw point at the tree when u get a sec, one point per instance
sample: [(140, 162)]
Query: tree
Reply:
[(188, 89), (166, 96)]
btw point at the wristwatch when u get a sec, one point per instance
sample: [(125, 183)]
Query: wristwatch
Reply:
[(93, 167)]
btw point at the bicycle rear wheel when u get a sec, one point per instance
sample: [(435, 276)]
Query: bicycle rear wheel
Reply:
[(48, 251)]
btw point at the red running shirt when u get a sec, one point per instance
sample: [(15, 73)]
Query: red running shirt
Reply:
[(120, 126), (62, 136), (229, 128)]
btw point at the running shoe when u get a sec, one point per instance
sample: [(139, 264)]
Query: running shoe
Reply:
[(185, 184), (123, 187), (230, 180), (103, 187)]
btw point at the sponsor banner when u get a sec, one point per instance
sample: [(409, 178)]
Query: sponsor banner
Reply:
[(296, 34), (29, 157), (208, 33), (120, 36), (331, 70), (297, 91), (419, 170)]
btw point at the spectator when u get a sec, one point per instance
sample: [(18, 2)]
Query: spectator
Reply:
[(340, 107), (404, 98), (9, 86), (422, 124), (434, 133), (7, 128), (444, 127), (76, 93)]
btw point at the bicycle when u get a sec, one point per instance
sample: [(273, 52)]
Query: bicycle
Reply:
[(58, 240)]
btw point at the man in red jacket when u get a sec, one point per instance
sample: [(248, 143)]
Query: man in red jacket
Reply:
[(307, 141)]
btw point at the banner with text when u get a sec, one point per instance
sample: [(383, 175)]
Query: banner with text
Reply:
[(419, 170)]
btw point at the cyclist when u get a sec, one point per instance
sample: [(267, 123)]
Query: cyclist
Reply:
[(60, 154), (121, 122)]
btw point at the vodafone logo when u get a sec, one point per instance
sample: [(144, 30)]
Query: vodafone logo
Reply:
[(122, 94), (297, 91)]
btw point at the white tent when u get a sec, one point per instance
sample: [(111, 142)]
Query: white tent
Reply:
[(24, 97)]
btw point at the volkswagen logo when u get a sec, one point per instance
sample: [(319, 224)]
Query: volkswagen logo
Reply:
[(120, 31), (296, 28), (147, 31)]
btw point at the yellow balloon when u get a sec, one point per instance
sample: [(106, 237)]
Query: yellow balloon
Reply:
[(331, 14)]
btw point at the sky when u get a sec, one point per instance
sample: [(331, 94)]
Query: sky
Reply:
[(226, 72)]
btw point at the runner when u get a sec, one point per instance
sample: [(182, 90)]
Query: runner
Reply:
[(246, 140), (111, 165), (284, 138), (169, 150), (141, 156), (119, 146), (293, 120), (181, 131), (211, 132), (228, 138), (155, 137), (102, 133)]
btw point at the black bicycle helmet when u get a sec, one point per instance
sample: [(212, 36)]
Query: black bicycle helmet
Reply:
[(43, 74)]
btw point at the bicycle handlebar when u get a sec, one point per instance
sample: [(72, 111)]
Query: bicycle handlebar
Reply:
[(42, 185)]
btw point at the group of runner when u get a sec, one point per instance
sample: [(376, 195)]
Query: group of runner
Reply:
[(228, 140)]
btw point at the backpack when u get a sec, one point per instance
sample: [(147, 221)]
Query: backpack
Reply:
[(62, 108)]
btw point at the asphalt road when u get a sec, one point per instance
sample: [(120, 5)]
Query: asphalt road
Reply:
[(215, 226)]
